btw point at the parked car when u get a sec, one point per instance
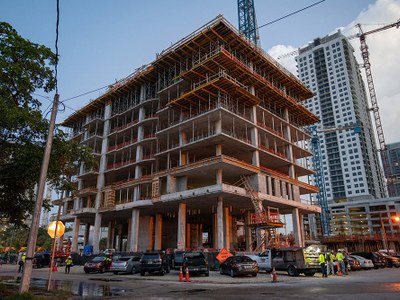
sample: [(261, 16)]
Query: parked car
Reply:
[(154, 262), (239, 265), (365, 263), (354, 264), (177, 259), (41, 260), (126, 264), (196, 263), (392, 261), (97, 264), (378, 261)]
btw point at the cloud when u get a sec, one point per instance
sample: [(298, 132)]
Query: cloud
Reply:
[(383, 48)]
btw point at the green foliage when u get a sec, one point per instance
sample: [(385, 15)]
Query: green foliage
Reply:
[(103, 244), (23, 296), (25, 67)]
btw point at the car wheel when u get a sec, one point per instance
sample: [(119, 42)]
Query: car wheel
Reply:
[(115, 273), (133, 271), (221, 271), (310, 274), (86, 271), (292, 271), (142, 273), (254, 274), (232, 273)]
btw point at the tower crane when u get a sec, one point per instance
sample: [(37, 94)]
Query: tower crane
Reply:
[(319, 178), (375, 109), (248, 21)]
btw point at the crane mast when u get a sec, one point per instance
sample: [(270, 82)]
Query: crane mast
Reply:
[(374, 104), (247, 20)]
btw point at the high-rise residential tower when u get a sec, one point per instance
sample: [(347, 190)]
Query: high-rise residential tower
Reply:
[(328, 67)]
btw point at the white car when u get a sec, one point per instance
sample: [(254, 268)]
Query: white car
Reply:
[(366, 264)]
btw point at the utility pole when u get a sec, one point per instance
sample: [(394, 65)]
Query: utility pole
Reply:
[(27, 271)]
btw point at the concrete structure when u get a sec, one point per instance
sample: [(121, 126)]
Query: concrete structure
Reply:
[(174, 140), (327, 66), (393, 154), (356, 223)]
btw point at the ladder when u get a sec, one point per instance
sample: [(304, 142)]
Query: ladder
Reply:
[(269, 237)]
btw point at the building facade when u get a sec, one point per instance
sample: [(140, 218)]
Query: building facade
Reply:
[(351, 168), (393, 155), (180, 141)]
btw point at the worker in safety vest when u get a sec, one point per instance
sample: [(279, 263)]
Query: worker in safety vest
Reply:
[(68, 264), (22, 262), (340, 259), (329, 261), (321, 259)]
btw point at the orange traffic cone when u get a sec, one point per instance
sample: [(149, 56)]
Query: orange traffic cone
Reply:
[(180, 275), (274, 275), (187, 278)]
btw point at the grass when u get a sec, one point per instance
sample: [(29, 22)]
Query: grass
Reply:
[(10, 292)]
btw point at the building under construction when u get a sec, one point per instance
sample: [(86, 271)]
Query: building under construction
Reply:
[(203, 147)]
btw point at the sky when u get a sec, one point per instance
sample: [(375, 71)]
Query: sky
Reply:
[(103, 41)]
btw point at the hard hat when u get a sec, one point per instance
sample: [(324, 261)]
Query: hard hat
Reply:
[(69, 256)]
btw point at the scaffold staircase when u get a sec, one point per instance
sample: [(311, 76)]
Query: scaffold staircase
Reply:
[(263, 226)]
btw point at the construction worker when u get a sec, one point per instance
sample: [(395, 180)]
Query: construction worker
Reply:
[(340, 259), (21, 263), (329, 259), (68, 264), (322, 263)]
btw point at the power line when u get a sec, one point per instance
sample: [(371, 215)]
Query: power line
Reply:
[(84, 94), (291, 14)]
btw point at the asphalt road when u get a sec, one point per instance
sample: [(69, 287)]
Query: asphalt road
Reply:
[(373, 284)]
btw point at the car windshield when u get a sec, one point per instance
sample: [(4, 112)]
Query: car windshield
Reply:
[(245, 259), (151, 256), (124, 258), (99, 258)]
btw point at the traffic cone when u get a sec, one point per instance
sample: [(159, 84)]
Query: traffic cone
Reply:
[(274, 275), (187, 278), (180, 275)]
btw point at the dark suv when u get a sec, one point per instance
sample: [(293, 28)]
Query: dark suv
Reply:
[(196, 263), (177, 259), (378, 261), (154, 262), (41, 260)]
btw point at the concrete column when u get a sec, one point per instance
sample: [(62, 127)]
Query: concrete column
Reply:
[(87, 233), (188, 240), (128, 239), (118, 245), (220, 223), (227, 228), (158, 232), (182, 226), (297, 229), (215, 231), (77, 224), (248, 229), (219, 176), (218, 125), (111, 232), (150, 231), (96, 235), (218, 150), (171, 184), (134, 239)]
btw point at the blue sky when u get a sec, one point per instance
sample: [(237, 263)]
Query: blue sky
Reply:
[(102, 41)]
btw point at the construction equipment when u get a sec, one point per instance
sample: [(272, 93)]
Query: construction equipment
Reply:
[(247, 21), (264, 223), (375, 109)]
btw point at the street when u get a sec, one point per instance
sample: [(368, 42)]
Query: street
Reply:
[(373, 284)]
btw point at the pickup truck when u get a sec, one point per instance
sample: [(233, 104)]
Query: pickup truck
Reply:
[(294, 260)]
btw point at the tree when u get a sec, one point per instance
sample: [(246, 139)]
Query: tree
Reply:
[(25, 68)]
